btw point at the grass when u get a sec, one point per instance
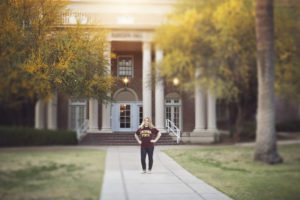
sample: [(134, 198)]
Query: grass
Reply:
[(232, 171), (51, 174)]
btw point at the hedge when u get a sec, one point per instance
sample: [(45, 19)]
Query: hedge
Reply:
[(21, 136)]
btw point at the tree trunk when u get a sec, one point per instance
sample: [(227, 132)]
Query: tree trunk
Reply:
[(265, 150)]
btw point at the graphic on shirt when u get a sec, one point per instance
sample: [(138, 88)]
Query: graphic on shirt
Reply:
[(145, 133)]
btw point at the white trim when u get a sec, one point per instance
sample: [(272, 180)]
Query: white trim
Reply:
[(126, 89), (134, 116)]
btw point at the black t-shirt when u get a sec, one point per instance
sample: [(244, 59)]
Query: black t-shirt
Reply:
[(147, 134)]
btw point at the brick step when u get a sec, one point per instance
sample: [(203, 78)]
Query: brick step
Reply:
[(123, 142), (119, 139), (128, 141)]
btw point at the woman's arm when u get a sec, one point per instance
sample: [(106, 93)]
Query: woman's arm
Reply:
[(137, 139), (157, 138)]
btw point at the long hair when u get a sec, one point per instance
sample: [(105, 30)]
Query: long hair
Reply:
[(150, 123)]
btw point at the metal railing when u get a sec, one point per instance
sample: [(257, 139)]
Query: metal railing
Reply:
[(172, 128), (81, 130)]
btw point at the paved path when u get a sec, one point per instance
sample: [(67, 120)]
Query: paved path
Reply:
[(169, 181)]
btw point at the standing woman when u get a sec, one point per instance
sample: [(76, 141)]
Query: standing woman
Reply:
[(146, 136)]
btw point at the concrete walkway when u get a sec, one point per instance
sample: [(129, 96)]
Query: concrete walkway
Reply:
[(169, 181)]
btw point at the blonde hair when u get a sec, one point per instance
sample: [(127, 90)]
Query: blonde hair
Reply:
[(150, 123)]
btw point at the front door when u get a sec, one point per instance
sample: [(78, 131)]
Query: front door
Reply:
[(125, 117)]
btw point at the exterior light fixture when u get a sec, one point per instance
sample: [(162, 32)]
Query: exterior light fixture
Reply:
[(125, 81), (175, 81)]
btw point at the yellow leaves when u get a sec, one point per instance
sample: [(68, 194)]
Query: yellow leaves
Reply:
[(36, 60), (182, 30), (217, 36), (232, 15), (113, 55), (30, 68), (62, 64), (57, 81)]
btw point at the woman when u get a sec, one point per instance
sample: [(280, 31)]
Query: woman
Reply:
[(146, 136)]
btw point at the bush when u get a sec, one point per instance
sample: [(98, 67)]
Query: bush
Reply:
[(20, 136), (288, 126)]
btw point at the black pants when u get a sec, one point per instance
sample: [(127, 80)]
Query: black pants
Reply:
[(144, 152)]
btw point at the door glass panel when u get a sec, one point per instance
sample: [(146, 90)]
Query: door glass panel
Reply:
[(168, 113), (176, 116), (81, 115), (140, 114), (125, 112), (173, 114), (73, 117)]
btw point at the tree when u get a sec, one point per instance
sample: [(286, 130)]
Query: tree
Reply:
[(265, 149), (287, 25), (25, 24), (219, 38), (36, 58), (72, 62)]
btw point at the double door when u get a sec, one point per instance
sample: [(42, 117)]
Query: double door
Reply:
[(126, 116)]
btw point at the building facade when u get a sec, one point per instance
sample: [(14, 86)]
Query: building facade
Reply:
[(132, 26)]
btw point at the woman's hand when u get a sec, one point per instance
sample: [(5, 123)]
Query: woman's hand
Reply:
[(139, 141), (152, 141)]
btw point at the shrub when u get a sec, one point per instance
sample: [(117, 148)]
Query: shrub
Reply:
[(21, 136)]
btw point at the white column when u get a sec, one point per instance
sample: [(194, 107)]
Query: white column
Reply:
[(106, 107), (39, 117), (147, 97), (52, 112), (93, 116), (199, 106), (159, 94), (211, 114)]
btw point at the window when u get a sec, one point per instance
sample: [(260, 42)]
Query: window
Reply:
[(77, 113), (125, 66)]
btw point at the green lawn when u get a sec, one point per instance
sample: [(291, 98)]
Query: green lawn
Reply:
[(231, 170), (51, 174)]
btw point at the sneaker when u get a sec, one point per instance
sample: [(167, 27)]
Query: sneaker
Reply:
[(149, 172), (143, 172)]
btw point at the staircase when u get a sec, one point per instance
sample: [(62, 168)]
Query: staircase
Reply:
[(120, 139)]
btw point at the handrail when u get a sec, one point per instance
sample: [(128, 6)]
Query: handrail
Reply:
[(81, 130), (171, 127)]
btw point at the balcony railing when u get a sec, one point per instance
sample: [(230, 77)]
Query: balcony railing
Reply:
[(72, 17)]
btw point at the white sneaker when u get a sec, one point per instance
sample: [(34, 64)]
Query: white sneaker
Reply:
[(143, 172), (149, 172)]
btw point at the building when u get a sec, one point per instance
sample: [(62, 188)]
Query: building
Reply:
[(132, 26)]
